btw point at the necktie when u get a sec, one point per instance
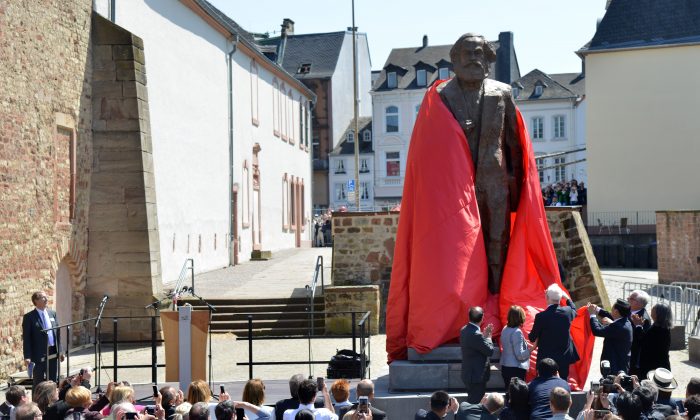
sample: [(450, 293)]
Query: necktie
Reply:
[(47, 324)]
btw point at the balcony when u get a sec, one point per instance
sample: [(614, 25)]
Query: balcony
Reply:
[(391, 181)]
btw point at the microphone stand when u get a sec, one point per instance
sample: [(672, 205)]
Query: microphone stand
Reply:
[(211, 309), (98, 322)]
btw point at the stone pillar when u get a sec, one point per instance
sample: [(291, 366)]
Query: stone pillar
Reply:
[(678, 236), (124, 257), (339, 299)]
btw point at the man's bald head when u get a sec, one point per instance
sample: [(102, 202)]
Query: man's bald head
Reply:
[(365, 388), (476, 315)]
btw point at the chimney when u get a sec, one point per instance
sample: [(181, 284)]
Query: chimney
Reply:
[(287, 27), (425, 41), (506, 68)]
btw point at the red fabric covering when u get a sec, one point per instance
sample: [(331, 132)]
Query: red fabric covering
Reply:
[(439, 267)]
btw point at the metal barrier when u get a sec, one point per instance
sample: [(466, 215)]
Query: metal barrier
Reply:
[(691, 306), (364, 340), (660, 293), (154, 341)]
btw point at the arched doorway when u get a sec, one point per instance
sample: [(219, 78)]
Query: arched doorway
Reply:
[(64, 296)]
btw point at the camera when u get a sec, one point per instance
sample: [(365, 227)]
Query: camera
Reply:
[(607, 384), (240, 413), (151, 409), (320, 383), (600, 414), (605, 368), (626, 382), (363, 405), (132, 415)]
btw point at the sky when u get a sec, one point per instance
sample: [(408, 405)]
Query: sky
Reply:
[(546, 32)]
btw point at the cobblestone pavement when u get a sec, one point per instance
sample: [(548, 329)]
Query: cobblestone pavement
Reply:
[(294, 270)]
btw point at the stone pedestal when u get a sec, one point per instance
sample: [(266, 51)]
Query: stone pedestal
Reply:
[(440, 369), (694, 348)]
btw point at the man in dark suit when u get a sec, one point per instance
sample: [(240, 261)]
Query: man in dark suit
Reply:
[(541, 388), (618, 335), (440, 404), (477, 349), (485, 410), (35, 340), (638, 300), (14, 397), (365, 388), (293, 403), (551, 331)]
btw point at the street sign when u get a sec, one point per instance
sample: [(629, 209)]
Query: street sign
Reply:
[(351, 197), (351, 185)]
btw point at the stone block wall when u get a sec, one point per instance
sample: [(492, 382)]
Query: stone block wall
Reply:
[(574, 251), (124, 259), (340, 299), (678, 236), (45, 160), (363, 251)]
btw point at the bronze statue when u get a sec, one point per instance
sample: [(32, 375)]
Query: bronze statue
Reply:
[(486, 112)]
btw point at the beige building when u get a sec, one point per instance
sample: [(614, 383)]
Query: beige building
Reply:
[(643, 94)]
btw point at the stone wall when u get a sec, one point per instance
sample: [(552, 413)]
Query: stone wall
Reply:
[(678, 236), (340, 299), (45, 160), (581, 272), (124, 259), (363, 251)]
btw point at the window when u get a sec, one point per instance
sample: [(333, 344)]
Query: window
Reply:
[(304, 68), (245, 196), (367, 136), (443, 73), (538, 90), (559, 127), (351, 137), (307, 125), (364, 190), (254, 92), (275, 108), (392, 119), (291, 118), (537, 128), (283, 111), (391, 81), (560, 171), (340, 166), (421, 77), (302, 119), (285, 202), (316, 148), (340, 191), (393, 164), (540, 165), (364, 168)]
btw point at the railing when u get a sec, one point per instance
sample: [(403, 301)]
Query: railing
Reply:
[(691, 307), (364, 343), (95, 343), (391, 181), (621, 222)]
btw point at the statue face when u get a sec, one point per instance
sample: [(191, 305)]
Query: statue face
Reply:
[(471, 63)]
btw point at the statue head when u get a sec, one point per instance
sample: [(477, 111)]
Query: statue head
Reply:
[(471, 56)]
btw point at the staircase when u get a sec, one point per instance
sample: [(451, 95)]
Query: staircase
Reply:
[(271, 316)]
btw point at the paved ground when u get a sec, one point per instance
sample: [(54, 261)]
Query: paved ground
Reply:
[(286, 275)]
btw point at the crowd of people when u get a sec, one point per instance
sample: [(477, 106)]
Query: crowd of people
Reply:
[(571, 193), (322, 228)]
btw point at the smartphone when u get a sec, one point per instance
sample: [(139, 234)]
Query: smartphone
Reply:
[(221, 388), (363, 405), (151, 409), (595, 386), (132, 415), (599, 414), (240, 413), (320, 383), (155, 391)]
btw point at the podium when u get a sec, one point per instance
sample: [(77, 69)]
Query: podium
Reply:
[(185, 336)]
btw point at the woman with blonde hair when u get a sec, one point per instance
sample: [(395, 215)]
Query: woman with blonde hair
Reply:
[(79, 399), (254, 395), (515, 350)]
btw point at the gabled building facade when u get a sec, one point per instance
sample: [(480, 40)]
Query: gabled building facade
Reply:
[(323, 62), (643, 95), (397, 94), (554, 110), (342, 168)]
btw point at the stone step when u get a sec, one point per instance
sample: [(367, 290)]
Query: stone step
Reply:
[(406, 375), (446, 353), (272, 332)]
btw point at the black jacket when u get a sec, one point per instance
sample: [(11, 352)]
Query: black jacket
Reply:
[(476, 354), (376, 413), (552, 327), (655, 344), (292, 404), (33, 339), (617, 343), (636, 340)]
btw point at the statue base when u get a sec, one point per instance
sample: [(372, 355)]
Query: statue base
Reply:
[(441, 369)]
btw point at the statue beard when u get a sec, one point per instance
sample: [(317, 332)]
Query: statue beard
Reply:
[(475, 71)]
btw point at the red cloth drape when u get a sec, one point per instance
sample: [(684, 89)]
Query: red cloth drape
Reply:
[(439, 267)]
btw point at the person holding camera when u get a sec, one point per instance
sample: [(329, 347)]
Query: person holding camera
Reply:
[(365, 388), (618, 335), (307, 395), (440, 404)]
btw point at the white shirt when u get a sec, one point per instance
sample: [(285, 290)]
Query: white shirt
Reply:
[(319, 413)]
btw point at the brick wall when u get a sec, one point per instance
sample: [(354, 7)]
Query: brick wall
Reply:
[(45, 158), (363, 251), (678, 236), (340, 299)]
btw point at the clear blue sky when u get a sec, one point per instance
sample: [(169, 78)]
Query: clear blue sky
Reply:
[(546, 32)]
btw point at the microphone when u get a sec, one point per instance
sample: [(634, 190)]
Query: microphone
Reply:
[(104, 299), (185, 289)]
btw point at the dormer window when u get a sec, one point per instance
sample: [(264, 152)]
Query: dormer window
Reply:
[(351, 137), (304, 68), (391, 81), (367, 136), (538, 90), (516, 92), (421, 77), (443, 73)]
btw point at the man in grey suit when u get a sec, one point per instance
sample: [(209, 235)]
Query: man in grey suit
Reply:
[(35, 340), (477, 349)]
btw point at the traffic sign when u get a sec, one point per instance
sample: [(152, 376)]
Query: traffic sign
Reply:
[(351, 185)]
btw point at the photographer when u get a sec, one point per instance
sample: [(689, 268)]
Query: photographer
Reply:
[(618, 335)]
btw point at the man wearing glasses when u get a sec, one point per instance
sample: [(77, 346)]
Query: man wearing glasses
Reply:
[(36, 341)]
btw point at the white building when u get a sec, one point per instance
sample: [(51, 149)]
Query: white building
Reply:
[(342, 168), (230, 133), (554, 110), (396, 97)]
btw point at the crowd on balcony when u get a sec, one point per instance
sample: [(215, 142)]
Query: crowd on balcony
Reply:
[(571, 193)]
